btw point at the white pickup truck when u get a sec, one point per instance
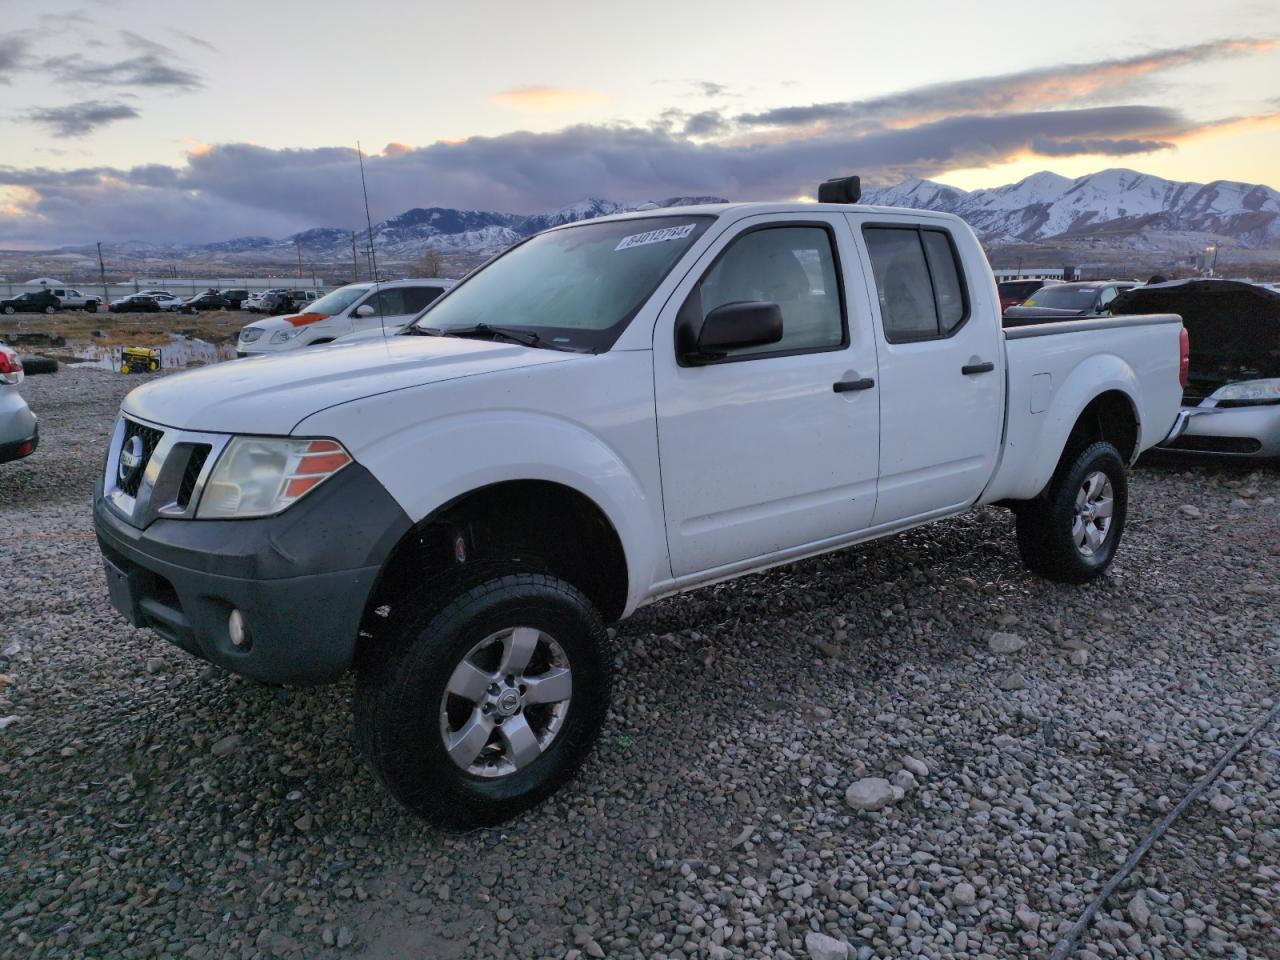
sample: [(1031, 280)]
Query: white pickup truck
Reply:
[(609, 413)]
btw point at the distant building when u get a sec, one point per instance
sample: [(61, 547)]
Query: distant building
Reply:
[(1036, 273)]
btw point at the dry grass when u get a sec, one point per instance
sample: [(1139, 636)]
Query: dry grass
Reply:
[(132, 329)]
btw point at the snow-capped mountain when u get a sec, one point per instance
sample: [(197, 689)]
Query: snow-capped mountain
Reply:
[(1122, 209), (1121, 206)]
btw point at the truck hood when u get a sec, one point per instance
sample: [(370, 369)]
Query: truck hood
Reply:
[(272, 394)]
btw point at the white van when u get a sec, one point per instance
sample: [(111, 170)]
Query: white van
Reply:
[(350, 309)]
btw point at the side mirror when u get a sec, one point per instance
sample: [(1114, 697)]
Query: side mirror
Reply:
[(735, 326), (365, 310)]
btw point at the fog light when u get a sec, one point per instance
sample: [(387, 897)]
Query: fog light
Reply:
[(238, 630)]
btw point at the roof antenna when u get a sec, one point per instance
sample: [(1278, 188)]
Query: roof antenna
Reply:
[(373, 256)]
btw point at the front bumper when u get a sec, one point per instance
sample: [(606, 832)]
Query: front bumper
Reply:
[(1239, 432), (300, 579)]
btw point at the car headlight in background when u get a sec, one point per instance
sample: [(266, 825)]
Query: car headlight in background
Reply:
[(259, 476), (284, 336), (1250, 391), (250, 334)]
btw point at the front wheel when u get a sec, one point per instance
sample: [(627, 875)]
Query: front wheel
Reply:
[(9, 311), (484, 697), (1071, 532)]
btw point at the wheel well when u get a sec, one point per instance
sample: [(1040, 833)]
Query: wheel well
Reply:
[(545, 524), (1111, 417)]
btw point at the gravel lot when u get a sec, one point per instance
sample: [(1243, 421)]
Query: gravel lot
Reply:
[(153, 806)]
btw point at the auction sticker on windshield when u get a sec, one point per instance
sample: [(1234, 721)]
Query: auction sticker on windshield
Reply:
[(656, 236)]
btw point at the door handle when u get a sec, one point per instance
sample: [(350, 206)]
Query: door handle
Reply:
[(844, 386), (969, 368)]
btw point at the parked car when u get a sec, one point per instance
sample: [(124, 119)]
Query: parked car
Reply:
[(1231, 404), (1063, 301), (234, 297), (19, 429), (209, 300), (71, 299), (33, 301), (136, 303), (254, 303), (1014, 292), (353, 310), (609, 412)]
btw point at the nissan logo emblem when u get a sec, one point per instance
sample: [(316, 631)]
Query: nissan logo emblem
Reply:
[(130, 459)]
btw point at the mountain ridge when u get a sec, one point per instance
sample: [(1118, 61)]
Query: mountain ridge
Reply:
[(1117, 207)]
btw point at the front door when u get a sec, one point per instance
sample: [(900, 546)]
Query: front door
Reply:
[(941, 366), (773, 447)]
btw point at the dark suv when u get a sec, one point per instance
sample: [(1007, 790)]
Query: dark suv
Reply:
[(34, 301), (1067, 301), (234, 298)]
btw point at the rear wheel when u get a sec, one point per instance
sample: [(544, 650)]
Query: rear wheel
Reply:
[(484, 697), (50, 309), (1071, 532)]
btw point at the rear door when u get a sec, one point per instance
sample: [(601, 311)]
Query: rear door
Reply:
[(761, 452), (941, 364)]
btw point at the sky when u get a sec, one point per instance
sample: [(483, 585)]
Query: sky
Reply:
[(163, 121)]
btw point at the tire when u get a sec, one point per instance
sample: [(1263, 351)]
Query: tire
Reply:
[(51, 309), (9, 311), (34, 365), (91, 307), (462, 635), (1064, 535)]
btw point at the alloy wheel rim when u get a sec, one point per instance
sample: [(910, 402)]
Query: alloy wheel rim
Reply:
[(1094, 509), (505, 702)]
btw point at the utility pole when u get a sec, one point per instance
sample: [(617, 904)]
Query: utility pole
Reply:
[(355, 264), (297, 242), (102, 272)]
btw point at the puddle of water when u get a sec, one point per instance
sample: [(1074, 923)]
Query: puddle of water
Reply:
[(178, 353)]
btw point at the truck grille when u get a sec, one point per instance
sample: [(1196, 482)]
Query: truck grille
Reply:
[(195, 463), (150, 440)]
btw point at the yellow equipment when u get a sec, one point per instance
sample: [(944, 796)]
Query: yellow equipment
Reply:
[(139, 360)]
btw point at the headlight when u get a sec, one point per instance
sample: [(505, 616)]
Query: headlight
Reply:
[(250, 334), (284, 336), (1258, 391), (259, 476)]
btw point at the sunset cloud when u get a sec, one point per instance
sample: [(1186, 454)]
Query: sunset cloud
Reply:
[(548, 99)]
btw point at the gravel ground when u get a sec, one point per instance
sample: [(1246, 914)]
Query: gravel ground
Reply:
[(153, 806)]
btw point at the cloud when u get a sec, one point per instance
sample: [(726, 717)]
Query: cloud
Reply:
[(192, 39), (13, 54), (236, 189), (547, 99), (77, 119), (1043, 87), (710, 89), (225, 190), (145, 70), (705, 124)]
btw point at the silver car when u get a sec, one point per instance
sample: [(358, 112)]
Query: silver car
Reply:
[(1231, 402), (19, 431)]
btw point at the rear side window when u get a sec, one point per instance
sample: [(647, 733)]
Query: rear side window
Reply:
[(918, 280), (418, 298)]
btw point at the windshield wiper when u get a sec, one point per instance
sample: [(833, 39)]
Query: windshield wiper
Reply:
[(525, 338)]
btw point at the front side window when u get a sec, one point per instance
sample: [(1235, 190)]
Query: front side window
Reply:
[(794, 267), (577, 287), (918, 281)]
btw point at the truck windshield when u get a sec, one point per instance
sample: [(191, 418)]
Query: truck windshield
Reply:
[(575, 288)]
